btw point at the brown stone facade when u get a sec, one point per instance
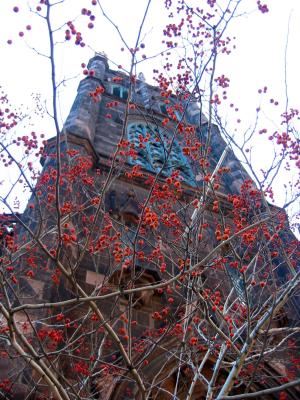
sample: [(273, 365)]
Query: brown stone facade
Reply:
[(60, 323)]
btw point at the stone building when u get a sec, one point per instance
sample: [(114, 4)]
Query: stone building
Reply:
[(125, 251)]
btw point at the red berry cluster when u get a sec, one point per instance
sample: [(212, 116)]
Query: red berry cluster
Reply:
[(73, 31)]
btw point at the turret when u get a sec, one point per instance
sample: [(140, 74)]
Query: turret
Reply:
[(84, 112)]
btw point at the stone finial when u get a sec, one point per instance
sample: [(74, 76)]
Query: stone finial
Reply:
[(141, 77), (99, 64), (101, 54)]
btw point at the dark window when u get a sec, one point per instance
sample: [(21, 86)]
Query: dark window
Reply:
[(163, 108), (120, 91), (237, 282)]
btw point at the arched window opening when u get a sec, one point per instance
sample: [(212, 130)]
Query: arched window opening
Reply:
[(237, 281), (137, 134), (235, 276), (153, 153)]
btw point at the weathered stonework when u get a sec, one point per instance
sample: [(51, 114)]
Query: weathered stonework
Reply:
[(94, 130)]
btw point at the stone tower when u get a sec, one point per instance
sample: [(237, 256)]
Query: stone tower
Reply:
[(136, 165)]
